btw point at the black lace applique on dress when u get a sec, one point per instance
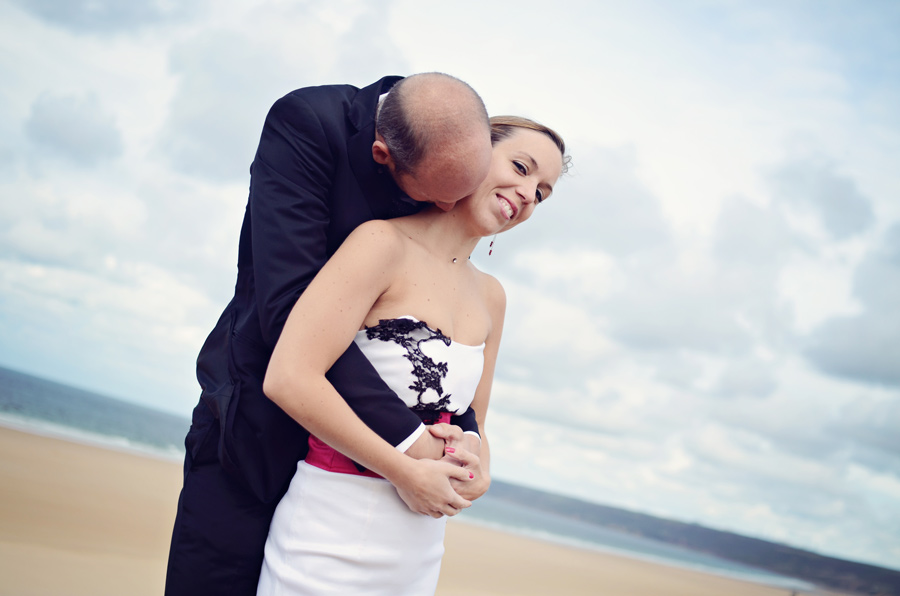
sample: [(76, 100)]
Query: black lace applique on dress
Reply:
[(428, 373)]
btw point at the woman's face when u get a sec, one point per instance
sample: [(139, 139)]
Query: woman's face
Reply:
[(524, 168)]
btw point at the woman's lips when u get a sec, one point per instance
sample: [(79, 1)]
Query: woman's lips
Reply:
[(509, 210)]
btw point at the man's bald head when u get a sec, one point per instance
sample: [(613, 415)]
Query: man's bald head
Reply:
[(433, 133)]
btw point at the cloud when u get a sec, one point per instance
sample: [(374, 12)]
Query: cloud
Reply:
[(864, 347), (108, 16), (215, 116), (813, 185), (867, 427), (7, 158), (753, 237), (694, 314), (603, 203), (130, 331), (226, 84), (751, 378), (364, 52), (227, 80), (675, 300), (583, 249), (619, 278), (76, 128), (76, 221)]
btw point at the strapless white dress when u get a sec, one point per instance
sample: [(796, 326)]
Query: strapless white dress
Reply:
[(344, 534)]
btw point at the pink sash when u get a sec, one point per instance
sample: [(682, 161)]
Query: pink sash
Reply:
[(322, 456)]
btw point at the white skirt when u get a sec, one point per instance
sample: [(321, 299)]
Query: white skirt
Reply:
[(349, 535)]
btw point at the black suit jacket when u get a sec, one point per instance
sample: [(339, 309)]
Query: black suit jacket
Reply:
[(313, 180)]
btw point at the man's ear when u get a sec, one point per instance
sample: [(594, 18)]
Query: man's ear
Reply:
[(380, 152)]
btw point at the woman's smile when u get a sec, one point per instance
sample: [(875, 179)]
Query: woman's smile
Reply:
[(507, 207)]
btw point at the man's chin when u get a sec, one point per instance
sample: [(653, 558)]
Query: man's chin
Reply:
[(445, 206)]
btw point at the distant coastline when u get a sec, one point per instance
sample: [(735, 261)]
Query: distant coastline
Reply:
[(781, 561), (48, 407)]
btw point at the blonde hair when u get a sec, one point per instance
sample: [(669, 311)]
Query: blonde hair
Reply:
[(503, 127)]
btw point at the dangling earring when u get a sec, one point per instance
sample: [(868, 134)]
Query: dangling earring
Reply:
[(491, 246)]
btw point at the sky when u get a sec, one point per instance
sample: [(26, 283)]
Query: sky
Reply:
[(702, 322)]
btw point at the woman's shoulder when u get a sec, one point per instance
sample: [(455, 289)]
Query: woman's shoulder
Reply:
[(491, 290), (377, 226), (377, 235)]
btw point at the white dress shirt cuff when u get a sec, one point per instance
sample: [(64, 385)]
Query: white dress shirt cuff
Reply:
[(408, 441)]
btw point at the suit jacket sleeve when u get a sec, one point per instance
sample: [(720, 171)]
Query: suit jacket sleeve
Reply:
[(466, 421), (290, 209)]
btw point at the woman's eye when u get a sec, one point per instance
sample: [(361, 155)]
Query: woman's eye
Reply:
[(539, 196), (521, 167)]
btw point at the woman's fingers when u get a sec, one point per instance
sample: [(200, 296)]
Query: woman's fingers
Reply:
[(431, 493)]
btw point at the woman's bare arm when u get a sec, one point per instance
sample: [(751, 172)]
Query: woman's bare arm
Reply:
[(496, 300), (321, 325)]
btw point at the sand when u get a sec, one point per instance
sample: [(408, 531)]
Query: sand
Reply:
[(78, 520)]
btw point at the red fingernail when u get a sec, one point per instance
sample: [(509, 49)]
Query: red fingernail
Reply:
[(471, 475), (450, 450)]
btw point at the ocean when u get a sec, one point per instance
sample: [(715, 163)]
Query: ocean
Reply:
[(54, 409)]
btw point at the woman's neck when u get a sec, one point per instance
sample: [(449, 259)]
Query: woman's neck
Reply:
[(443, 234)]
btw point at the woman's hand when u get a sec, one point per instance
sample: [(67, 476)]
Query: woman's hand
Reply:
[(448, 445), (464, 449), (425, 487), (480, 479)]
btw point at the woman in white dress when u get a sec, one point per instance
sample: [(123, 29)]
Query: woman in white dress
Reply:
[(430, 323)]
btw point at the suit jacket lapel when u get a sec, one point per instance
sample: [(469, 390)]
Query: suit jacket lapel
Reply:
[(384, 197)]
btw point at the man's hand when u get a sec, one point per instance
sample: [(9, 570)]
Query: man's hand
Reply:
[(426, 488), (427, 446), (431, 445), (451, 435)]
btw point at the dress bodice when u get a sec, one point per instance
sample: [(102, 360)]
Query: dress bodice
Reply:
[(429, 371)]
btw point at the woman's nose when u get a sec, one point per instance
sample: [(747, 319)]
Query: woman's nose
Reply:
[(528, 193)]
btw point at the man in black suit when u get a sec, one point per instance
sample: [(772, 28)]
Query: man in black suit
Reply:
[(321, 169)]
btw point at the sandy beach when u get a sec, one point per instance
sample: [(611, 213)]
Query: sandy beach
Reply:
[(82, 520)]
